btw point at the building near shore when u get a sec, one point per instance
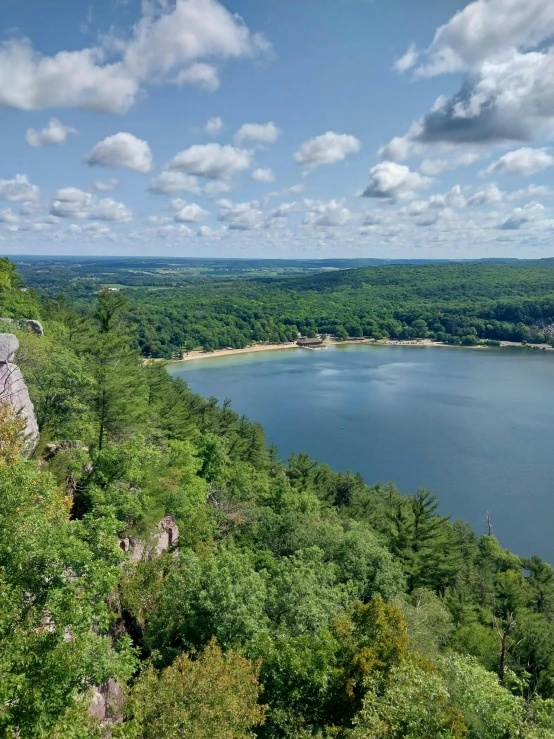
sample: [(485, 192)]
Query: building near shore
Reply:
[(309, 342)]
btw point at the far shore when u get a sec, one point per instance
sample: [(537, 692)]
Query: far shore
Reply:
[(201, 355)]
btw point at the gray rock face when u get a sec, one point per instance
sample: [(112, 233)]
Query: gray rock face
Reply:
[(165, 537), (13, 390), (107, 702)]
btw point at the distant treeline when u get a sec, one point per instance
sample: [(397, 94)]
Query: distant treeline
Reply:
[(457, 304)]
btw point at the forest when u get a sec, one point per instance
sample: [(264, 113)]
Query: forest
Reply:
[(454, 303), (297, 602)]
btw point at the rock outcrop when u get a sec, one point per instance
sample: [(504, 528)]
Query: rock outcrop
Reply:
[(34, 326), (13, 389), (165, 537)]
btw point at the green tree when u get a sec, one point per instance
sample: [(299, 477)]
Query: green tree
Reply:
[(212, 695)]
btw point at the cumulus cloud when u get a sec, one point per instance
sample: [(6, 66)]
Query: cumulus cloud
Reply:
[(206, 232), (284, 210), (55, 134), (110, 210), (214, 126), (169, 183), (191, 213), (523, 162), (7, 216), (121, 150), (328, 214), (18, 190), (531, 191), (329, 148), (408, 60), (212, 161), (170, 43), (521, 216), (503, 49), (490, 195), (200, 74), (397, 150), (433, 167), (72, 202), (257, 133), (215, 188), (393, 181), (487, 28), (263, 175), (240, 216), (106, 185)]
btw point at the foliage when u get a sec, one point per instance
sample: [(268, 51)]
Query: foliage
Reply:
[(363, 612), (213, 696)]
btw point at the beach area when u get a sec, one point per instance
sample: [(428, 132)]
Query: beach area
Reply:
[(202, 355)]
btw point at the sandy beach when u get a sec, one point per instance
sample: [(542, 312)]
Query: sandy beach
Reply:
[(229, 352), (201, 355)]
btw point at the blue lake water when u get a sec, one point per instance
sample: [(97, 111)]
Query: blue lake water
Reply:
[(473, 426)]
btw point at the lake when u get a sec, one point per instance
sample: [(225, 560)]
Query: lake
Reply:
[(473, 426)]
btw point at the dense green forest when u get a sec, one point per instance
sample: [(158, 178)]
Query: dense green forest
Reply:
[(171, 311), (464, 303), (297, 601)]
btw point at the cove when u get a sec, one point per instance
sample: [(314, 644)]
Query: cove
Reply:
[(474, 426)]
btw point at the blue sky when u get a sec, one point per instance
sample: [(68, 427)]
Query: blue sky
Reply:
[(277, 128)]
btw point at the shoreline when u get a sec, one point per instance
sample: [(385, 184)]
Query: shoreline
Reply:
[(201, 355)]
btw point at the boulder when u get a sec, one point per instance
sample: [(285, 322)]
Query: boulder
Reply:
[(36, 327), (14, 391)]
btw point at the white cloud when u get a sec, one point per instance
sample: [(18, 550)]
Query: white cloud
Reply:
[(284, 210), (531, 191), (408, 60), (169, 183), (110, 210), (121, 150), (168, 44), (434, 167), (207, 232), (71, 202), (521, 216), (294, 190), (30, 207), (200, 74), (328, 148), (216, 188), (487, 28), (257, 133), (106, 185), (18, 190), (393, 181), (55, 134), (490, 195), (263, 175), (8, 217), (165, 232), (212, 161), (191, 213), (504, 50), (328, 214), (397, 150), (214, 126), (240, 216), (159, 220), (523, 162)]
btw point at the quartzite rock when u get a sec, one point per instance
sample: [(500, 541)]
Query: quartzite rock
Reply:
[(13, 389)]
